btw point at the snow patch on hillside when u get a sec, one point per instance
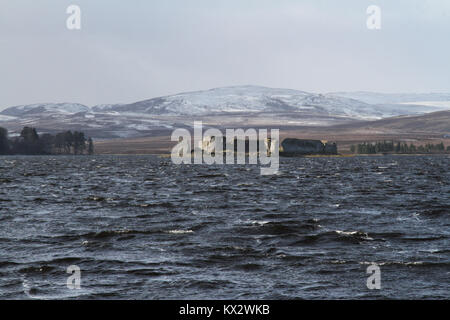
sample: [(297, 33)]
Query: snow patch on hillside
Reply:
[(6, 118)]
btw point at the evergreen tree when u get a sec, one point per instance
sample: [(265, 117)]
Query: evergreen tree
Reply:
[(4, 143), (68, 142), (29, 134), (46, 143), (79, 142), (59, 142), (29, 143), (90, 146), (360, 148)]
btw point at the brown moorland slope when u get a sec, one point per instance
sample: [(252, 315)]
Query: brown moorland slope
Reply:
[(418, 129)]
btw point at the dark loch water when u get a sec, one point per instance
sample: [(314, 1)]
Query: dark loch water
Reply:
[(140, 227)]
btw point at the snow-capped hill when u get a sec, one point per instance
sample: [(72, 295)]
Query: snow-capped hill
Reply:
[(43, 108), (251, 99), (213, 101)]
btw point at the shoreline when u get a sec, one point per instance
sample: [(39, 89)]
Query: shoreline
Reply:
[(167, 155)]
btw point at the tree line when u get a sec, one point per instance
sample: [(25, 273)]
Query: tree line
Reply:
[(31, 143), (399, 147)]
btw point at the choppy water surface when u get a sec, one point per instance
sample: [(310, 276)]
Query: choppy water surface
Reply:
[(141, 227)]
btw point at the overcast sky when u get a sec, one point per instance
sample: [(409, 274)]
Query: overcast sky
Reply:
[(138, 49)]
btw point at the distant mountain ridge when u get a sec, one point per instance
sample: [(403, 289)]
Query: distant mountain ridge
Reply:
[(67, 108), (392, 98), (248, 104)]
